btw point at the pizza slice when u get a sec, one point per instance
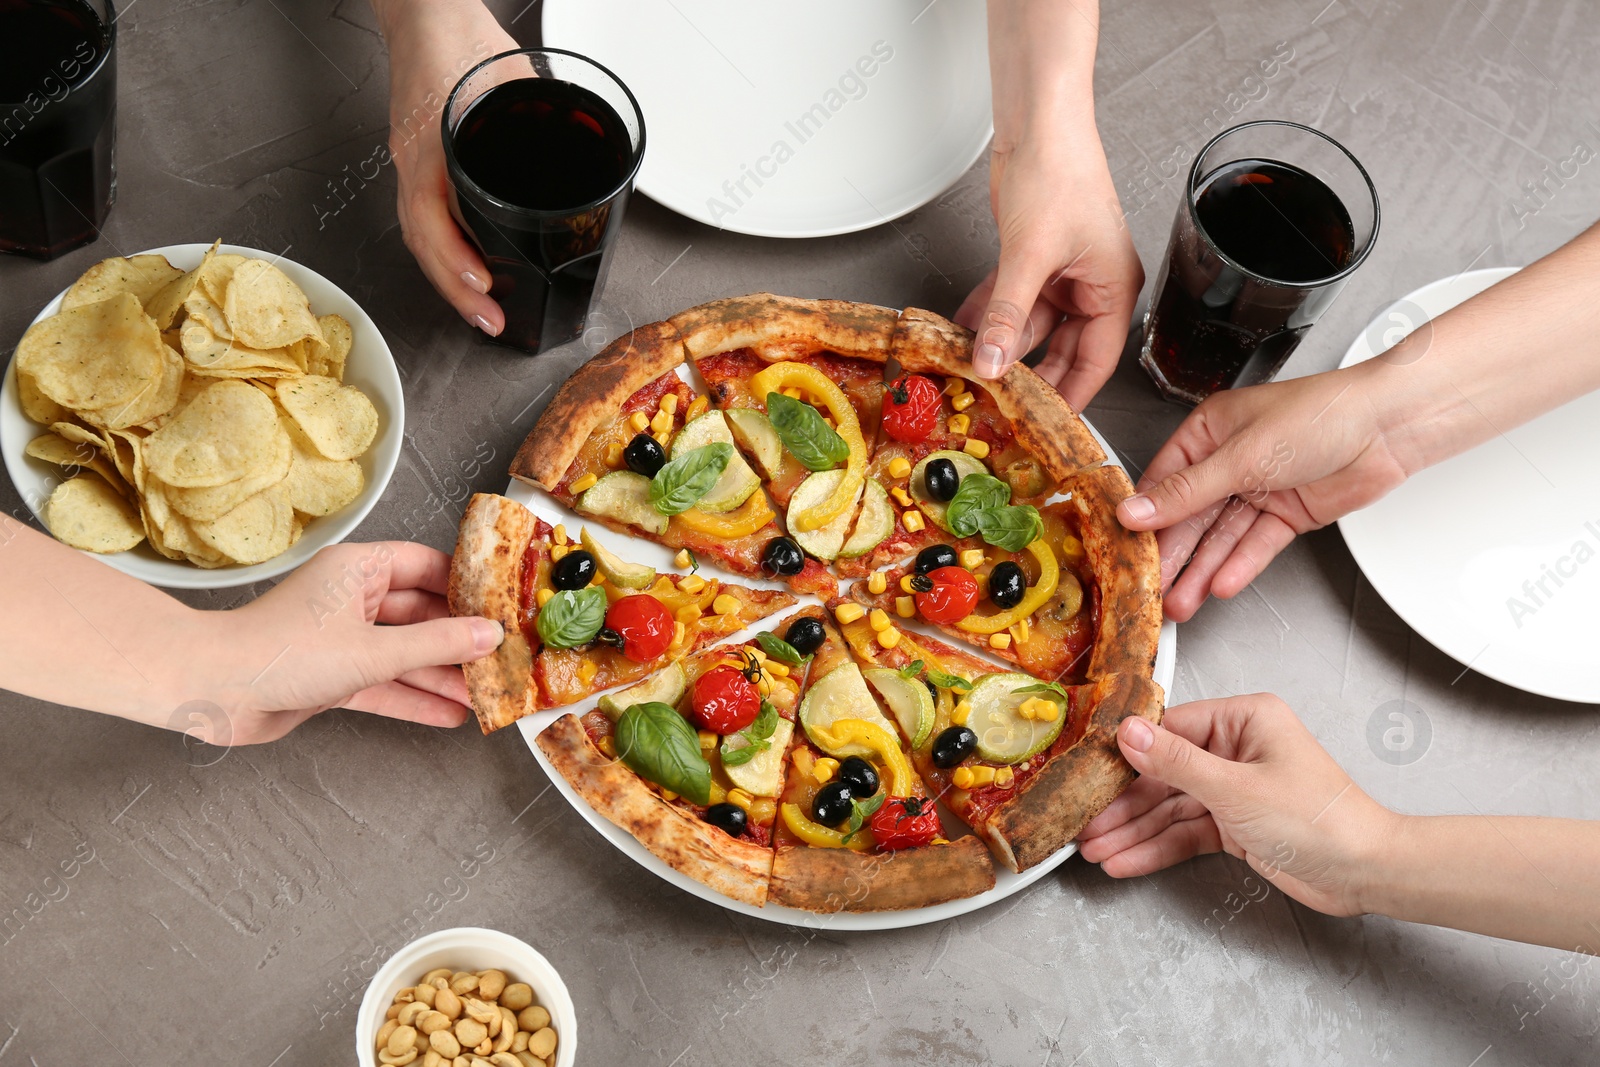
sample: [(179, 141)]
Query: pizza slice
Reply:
[(692, 762), (1080, 600), (628, 443), (1026, 764), (857, 829), (578, 619)]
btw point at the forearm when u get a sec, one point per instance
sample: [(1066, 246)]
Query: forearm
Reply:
[(1519, 349), (1520, 878), (1041, 64)]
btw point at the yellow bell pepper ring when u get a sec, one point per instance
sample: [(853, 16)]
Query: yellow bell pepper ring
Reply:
[(814, 833), (875, 737), (746, 519), (1037, 595), (823, 389)]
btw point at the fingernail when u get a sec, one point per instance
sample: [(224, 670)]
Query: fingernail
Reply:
[(1138, 734), (486, 326), (474, 281), (1138, 508), (487, 634), (986, 360)]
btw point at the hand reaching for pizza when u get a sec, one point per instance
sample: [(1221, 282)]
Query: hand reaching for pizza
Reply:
[(1242, 776), (432, 43)]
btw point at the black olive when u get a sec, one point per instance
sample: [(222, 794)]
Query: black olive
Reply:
[(953, 745), (860, 776), (573, 571), (806, 635), (935, 556), (1007, 584), (608, 636), (644, 455), (833, 805), (782, 558), (729, 818), (939, 477)]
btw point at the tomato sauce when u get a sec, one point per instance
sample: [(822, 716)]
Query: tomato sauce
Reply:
[(535, 569)]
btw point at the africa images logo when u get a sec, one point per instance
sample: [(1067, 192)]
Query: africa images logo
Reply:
[(1537, 591)]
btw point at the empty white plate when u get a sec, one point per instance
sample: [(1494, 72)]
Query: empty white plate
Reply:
[(1494, 556), (796, 120)]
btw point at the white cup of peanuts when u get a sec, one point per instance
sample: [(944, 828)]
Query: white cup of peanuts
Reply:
[(447, 989)]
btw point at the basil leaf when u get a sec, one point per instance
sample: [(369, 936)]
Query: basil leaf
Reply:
[(862, 810), (694, 561), (948, 681), (978, 493), (779, 649), (912, 669), (765, 724), (755, 736), (679, 485), (733, 757), (659, 744), (572, 617), (1053, 690), (813, 442), (1012, 528)]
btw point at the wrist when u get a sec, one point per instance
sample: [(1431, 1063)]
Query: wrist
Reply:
[(1385, 882)]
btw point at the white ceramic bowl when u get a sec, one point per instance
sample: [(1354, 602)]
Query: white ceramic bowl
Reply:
[(370, 367), (467, 948)]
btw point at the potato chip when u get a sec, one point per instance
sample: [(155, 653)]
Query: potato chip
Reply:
[(51, 448), (340, 337), (201, 308), (158, 398), (215, 274), (71, 431), (35, 404), (255, 531), (166, 304), (94, 355), (200, 345), (317, 485), (339, 419), (265, 309), (227, 431), (216, 501), (125, 455), (143, 276), (86, 512), (157, 515)]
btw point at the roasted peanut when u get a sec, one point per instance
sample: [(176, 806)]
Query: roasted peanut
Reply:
[(533, 1018), (508, 1032), (411, 1012), (519, 1043), (484, 1048), (433, 1021), (448, 1003), (437, 972), (422, 1043), (403, 1038), (394, 1009), (392, 1060), (470, 1032), (505, 1059), (405, 996), (528, 1059), (517, 995), (431, 1058), (445, 1044), (542, 1043), (425, 992), (491, 984), (384, 1031), (460, 1061), (463, 982)]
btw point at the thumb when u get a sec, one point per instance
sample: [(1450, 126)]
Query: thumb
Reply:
[(1166, 757), (1005, 334), (1180, 495), (395, 650)]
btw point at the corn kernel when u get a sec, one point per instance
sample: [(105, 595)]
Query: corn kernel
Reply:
[(679, 634), (587, 671), (614, 454), (1004, 777), (905, 584), (1050, 712), (683, 559), (663, 439), (584, 484), (687, 614), (954, 386), (739, 798), (982, 776), (959, 424), (878, 619), (1028, 709), (899, 467), (667, 794), (718, 794), (558, 553), (661, 422), (560, 533), (708, 738), (962, 401), (901, 497), (824, 769), (1071, 549), (940, 841), (912, 520), (776, 669), (961, 712), (877, 582), (545, 596), (697, 407), (608, 748), (889, 638), (639, 421), (999, 640), (972, 558), (848, 613), (905, 606), (669, 403), (977, 449), (962, 779), (1019, 630), (725, 604), (763, 810), (691, 583)]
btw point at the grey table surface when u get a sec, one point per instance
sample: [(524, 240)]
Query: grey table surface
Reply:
[(230, 905)]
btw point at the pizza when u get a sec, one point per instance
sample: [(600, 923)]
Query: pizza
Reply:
[(835, 760)]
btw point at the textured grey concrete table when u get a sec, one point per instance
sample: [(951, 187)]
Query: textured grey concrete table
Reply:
[(227, 907)]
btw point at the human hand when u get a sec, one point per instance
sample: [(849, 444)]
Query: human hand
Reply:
[(311, 643), (1243, 776), (432, 43), (1251, 468)]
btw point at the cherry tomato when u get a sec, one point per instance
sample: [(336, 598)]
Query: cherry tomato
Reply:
[(911, 408), (952, 598), (645, 626), (904, 822), (724, 701)]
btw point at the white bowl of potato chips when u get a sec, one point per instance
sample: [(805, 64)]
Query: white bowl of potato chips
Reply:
[(201, 417)]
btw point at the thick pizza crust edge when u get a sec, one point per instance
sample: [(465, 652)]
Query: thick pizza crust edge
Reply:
[(736, 869), (595, 392), (486, 579), (1127, 567), (784, 327), (1043, 422), (829, 880), (1078, 784)]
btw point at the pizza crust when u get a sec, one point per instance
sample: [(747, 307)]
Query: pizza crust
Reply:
[(784, 327), (1075, 785), (830, 880), (1126, 566), (595, 392), (735, 868), (1042, 421), (486, 580)]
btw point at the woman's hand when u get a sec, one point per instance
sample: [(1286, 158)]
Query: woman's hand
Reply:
[(1243, 776), (432, 43)]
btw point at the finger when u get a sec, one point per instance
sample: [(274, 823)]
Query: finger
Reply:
[(396, 700), (1057, 361), (1098, 351), (1177, 843), (414, 566), (1138, 798), (387, 652), (1269, 536), (402, 607), (1180, 807), (447, 258), (1176, 543), (1183, 493), (1004, 330), (971, 309), (446, 682), (1177, 761), (1189, 592)]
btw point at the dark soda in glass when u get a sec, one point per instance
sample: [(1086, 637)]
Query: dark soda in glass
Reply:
[(58, 110)]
